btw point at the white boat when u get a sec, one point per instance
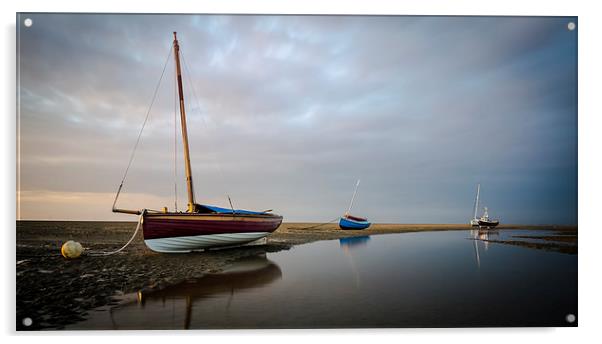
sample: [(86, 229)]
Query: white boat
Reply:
[(486, 222)]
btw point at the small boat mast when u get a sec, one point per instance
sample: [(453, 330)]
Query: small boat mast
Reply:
[(189, 186), (352, 198)]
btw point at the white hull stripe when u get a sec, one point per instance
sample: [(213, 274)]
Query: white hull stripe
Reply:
[(185, 244)]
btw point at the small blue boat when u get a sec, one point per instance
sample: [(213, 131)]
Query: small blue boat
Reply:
[(348, 221), (352, 222)]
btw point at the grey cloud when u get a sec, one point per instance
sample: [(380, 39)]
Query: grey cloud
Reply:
[(292, 109)]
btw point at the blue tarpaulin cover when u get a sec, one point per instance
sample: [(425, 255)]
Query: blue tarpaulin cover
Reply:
[(229, 211)]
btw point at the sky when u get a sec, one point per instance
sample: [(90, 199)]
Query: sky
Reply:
[(287, 112)]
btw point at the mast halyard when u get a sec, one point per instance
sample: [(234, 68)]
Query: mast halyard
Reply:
[(352, 198), (191, 206)]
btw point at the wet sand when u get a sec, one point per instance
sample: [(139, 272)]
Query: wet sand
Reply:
[(54, 291)]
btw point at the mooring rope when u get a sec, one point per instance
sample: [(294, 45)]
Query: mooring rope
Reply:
[(322, 224), (102, 254)]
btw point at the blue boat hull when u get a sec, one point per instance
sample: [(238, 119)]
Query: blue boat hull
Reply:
[(345, 223)]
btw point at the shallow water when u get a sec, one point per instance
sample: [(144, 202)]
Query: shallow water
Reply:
[(530, 236), (426, 279)]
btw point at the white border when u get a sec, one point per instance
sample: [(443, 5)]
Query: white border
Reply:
[(589, 161)]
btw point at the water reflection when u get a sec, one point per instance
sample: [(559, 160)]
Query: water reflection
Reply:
[(424, 279), (351, 244), (482, 235), (173, 306), (354, 242)]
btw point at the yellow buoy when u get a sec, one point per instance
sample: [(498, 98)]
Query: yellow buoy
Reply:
[(72, 249)]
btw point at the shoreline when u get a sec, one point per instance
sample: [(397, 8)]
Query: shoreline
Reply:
[(289, 232), (54, 291), (377, 224), (293, 233)]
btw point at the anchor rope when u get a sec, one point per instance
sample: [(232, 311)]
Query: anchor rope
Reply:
[(322, 224), (104, 253)]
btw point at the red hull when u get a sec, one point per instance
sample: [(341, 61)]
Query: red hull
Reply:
[(355, 218), (157, 226)]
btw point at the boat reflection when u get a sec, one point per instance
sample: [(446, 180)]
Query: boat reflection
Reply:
[(354, 242), (164, 308), (350, 244), (484, 236)]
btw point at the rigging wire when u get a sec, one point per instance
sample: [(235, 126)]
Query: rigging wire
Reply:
[(194, 94), (143, 125), (143, 212)]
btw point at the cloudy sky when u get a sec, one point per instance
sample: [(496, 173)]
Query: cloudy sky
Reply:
[(286, 112)]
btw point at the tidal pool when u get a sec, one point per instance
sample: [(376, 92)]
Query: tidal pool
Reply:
[(426, 279)]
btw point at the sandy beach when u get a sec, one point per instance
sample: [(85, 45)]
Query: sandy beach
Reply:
[(54, 291)]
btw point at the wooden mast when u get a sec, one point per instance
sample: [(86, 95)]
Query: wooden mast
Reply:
[(191, 207)]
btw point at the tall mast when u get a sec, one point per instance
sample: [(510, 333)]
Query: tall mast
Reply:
[(353, 197), (476, 202), (176, 47)]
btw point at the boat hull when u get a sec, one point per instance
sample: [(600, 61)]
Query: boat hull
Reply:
[(488, 224), (185, 244), (183, 232), (349, 224)]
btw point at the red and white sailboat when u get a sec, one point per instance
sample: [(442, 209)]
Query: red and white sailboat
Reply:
[(201, 226)]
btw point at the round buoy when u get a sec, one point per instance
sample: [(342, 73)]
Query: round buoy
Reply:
[(72, 249)]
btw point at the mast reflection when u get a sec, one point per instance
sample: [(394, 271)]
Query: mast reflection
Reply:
[(153, 306), (350, 244), (484, 236)]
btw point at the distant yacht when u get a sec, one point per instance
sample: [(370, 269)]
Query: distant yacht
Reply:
[(485, 221)]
